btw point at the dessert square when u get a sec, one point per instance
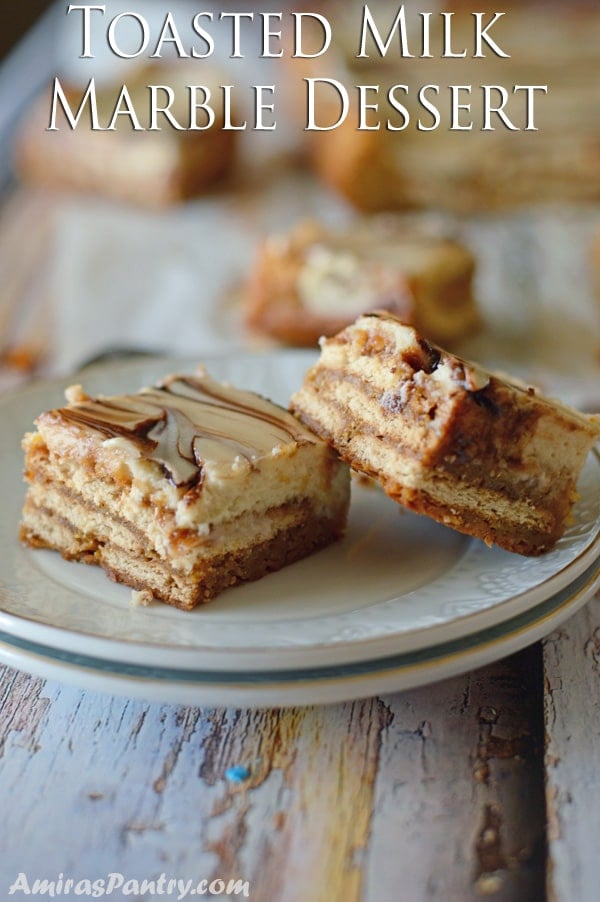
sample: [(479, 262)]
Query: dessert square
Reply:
[(151, 169), (315, 280), (434, 155), (482, 454), (182, 489)]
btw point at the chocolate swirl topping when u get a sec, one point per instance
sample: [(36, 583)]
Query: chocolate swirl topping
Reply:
[(186, 420)]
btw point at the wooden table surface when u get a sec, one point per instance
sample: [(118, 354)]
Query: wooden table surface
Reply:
[(484, 786)]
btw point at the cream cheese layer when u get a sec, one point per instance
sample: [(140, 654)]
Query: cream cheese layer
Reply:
[(185, 421)]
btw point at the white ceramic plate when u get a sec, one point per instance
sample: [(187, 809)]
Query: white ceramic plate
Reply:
[(398, 586), (303, 686)]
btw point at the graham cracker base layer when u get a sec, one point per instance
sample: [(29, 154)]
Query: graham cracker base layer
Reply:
[(211, 576)]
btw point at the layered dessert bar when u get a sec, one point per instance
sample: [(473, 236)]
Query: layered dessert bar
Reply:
[(182, 489), (487, 456), (146, 168), (315, 280)]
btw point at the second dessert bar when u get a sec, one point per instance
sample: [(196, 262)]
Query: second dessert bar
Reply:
[(482, 454)]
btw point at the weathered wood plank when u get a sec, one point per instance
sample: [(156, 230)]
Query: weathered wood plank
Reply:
[(572, 723), (26, 240), (431, 794), (460, 797)]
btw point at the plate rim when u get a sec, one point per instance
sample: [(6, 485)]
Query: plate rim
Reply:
[(119, 650), (338, 685)]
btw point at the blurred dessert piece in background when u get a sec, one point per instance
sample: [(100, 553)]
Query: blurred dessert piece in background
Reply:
[(595, 261), (150, 168), (315, 280), (484, 163)]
